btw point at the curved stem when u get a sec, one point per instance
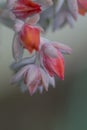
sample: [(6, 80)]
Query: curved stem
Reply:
[(23, 62)]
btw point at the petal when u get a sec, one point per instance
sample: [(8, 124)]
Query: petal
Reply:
[(29, 3), (10, 3), (18, 25), (33, 89), (59, 66), (17, 48), (49, 50), (47, 63), (70, 20), (45, 3), (59, 5), (33, 79), (24, 8), (33, 20), (12, 16), (54, 66), (40, 29), (19, 75), (62, 47), (30, 37), (73, 7), (83, 3), (82, 6), (59, 20), (45, 79), (51, 81), (33, 75), (82, 11)]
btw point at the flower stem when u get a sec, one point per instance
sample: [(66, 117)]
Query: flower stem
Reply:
[(23, 62)]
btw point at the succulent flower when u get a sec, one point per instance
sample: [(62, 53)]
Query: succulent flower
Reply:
[(34, 78), (67, 12), (39, 71), (52, 58), (27, 36), (62, 12), (30, 37), (21, 9)]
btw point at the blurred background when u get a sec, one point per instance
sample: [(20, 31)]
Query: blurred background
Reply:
[(62, 108)]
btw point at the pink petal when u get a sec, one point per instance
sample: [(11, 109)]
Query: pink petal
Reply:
[(18, 25), (59, 20), (45, 79), (10, 3), (73, 7), (62, 47), (33, 20), (33, 89), (33, 75), (18, 76), (52, 81), (83, 3), (45, 3), (70, 19), (59, 67), (49, 50), (54, 66)]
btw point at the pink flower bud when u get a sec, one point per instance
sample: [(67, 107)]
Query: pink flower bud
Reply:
[(54, 65), (52, 58), (34, 77), (30, 37), (82, 4), (23, 8)]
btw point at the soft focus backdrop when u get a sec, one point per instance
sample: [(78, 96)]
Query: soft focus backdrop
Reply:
[(62, 108)]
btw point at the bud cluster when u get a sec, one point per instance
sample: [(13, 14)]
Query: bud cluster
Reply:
[(63, 12), (38, 71)]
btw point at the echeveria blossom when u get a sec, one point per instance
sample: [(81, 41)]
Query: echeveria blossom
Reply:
[(46, 58), (27, 36), (67, 12), (52, 58), (23, 8), (60, 13), (34, 77), (40, 69)]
